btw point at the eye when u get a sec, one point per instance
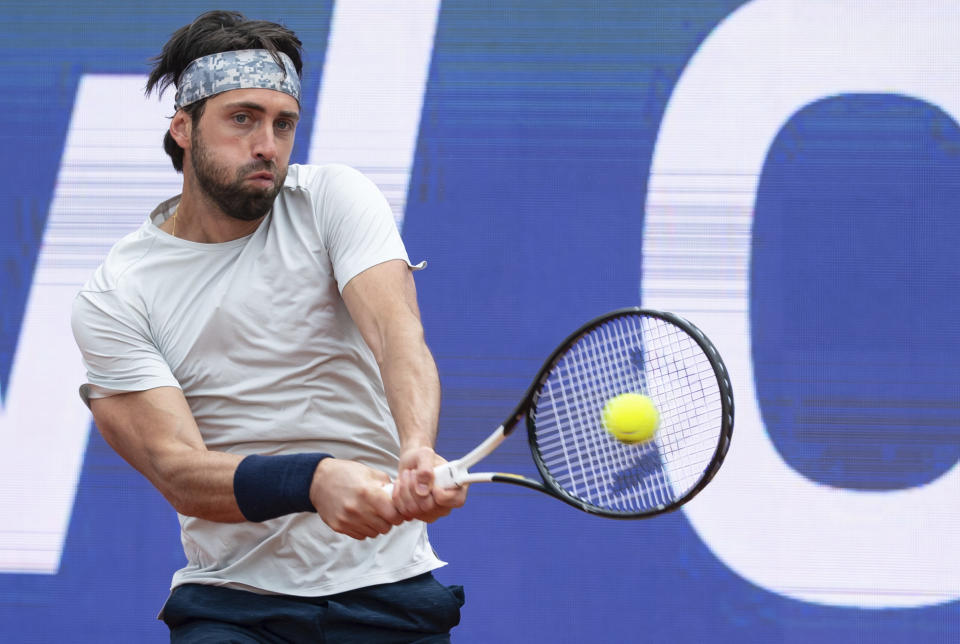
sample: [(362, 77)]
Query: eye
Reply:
[(240, 118), (284, 125)]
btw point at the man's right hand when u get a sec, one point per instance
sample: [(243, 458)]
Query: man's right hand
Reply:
[(350, 498)]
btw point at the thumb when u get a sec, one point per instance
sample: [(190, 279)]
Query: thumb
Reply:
[(424, 474)]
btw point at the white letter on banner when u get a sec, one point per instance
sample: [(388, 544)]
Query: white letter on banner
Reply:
[(766, 61), (374, 78), (112, 174)]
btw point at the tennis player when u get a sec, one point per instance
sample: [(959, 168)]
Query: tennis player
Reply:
[(255, 350)]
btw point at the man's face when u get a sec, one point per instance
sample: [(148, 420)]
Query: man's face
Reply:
[(241, 153)]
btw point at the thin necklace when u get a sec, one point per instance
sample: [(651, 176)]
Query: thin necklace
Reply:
[(174, 219)]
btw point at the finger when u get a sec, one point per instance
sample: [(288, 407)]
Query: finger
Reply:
[(413, 500), (411, 503), (450, 497), (364, 515), (383, 513), (395, 515), (435, 514), (424, 482), (401, 495), (424, 473), (362, 525), (425, 504), (376, 526), (348, 530)]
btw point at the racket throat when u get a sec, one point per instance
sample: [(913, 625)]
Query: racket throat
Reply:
[(456, 473)]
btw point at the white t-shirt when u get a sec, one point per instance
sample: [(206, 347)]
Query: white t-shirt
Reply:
[(256, 334)]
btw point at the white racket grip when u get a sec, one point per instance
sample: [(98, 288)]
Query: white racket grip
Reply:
[(455, 473), (446, 475), (449, 474)]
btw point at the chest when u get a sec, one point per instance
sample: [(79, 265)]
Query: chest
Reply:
[(233, 315)]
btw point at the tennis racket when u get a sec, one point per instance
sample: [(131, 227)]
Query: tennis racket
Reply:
[(654, 353)]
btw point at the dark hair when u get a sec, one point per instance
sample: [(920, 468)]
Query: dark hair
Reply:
[(212, 33)]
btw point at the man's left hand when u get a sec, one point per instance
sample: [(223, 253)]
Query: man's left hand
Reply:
[(415, 494)]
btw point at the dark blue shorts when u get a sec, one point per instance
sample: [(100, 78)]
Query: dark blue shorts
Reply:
[(419, 609)]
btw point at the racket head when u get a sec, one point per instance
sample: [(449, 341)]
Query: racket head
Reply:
[(632, 350)]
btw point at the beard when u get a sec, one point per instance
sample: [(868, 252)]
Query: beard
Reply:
[(230, 194)]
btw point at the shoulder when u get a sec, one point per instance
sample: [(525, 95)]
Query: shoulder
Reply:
[(322, 181), (123, 257), (110, 299), (334, 195)]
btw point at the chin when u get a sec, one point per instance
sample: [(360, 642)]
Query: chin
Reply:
[(250, 205)]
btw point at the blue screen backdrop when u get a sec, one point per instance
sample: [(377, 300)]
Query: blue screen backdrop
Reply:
[(527, 190)]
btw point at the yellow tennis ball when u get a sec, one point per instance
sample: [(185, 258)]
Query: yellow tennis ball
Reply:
[(631, 418)]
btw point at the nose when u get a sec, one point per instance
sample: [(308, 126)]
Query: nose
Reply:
[(265, 145)]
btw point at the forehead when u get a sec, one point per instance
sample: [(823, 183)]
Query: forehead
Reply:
[(269, 100)]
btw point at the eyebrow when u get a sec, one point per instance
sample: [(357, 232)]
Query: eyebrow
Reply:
[(260, 108)]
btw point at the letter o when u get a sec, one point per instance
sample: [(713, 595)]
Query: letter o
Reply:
[(765, 62)]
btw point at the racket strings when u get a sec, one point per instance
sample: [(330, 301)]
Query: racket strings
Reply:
[(635, 353)]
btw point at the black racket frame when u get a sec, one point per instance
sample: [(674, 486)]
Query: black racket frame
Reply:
[(527, 408)]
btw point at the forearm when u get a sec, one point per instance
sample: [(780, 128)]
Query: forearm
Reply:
[(230, 488), (201, 484), (382, 301), (412, 386), (415, 403), (155, 432)]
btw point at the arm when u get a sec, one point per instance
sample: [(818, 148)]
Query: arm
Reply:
[(155, 432), (382, 301)]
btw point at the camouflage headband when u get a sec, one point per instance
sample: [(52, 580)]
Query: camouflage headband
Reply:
[(243, 69)]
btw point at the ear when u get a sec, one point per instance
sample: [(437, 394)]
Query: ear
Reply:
[(180, 128)]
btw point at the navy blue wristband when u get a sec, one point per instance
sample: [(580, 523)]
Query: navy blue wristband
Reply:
[(267, 487)]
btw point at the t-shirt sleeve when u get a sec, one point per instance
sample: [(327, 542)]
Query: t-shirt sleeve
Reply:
[(356, 224), (116, 348)]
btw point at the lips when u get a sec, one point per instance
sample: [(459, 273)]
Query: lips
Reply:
[(266, 176)]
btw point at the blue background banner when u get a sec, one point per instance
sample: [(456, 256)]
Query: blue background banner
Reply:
[(529, 189)]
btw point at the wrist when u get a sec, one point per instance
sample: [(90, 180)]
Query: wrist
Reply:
[(414, 445), (266, 487)]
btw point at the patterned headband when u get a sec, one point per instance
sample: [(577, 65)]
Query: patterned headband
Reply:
[(243, 69)]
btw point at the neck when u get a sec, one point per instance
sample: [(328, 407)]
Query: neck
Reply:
[(200, 220)]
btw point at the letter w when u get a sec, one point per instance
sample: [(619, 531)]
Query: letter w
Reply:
[(106, 185)]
